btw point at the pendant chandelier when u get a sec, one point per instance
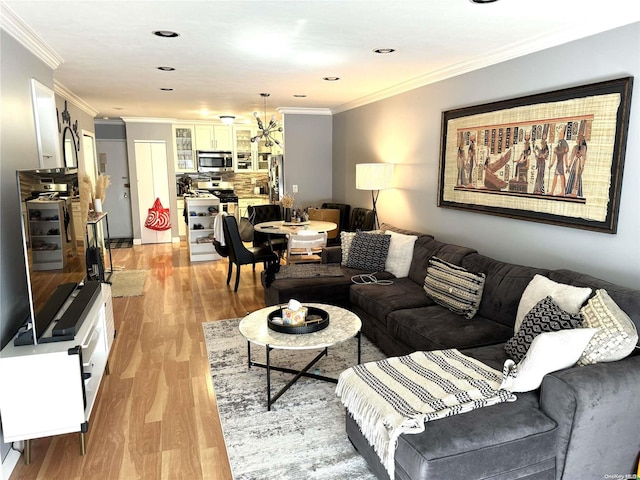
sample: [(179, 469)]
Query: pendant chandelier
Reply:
[(266, 132)]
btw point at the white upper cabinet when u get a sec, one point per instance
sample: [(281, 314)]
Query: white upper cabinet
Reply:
[(214, 137)]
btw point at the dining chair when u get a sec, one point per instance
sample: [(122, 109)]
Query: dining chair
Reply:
[(266, 213), (361, 219), (240, 254), (304, 247), (327, 215), (345, 214)]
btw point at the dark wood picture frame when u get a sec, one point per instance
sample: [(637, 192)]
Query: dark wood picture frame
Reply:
[(554, 157)]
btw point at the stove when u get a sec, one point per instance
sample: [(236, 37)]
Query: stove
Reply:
[(223, 190)]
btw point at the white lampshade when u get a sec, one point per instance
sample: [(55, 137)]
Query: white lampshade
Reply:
[(374, 176)]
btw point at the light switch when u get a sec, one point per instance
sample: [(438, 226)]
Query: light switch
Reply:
[(295, 188)]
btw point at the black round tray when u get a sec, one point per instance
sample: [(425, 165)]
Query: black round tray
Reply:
[(312, 326)]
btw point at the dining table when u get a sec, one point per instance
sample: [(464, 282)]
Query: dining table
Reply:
[(282, 228)]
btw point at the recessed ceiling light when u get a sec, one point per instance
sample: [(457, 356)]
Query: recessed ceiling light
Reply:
[(331, 79), (166, 69), (166, 89), (483, 1), (165, 33), (300, 95), (384, 50), (118, 108)]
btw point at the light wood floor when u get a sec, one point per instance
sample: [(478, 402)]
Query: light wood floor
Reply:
[(156, 415)]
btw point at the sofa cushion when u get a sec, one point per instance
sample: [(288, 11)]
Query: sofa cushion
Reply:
[(436, 328), (509, 440), (400, 253), (503, 286), (616, 336), (549, 352), (626, 298), (369, 251), (454, 287), (545, 316), (379, 300), (425, 248), (567, 297)]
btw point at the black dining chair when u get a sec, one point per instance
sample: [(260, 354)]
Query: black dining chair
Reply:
[(241, 255), (267, 213)]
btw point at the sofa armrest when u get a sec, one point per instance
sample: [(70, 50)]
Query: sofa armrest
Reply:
[(597, 409), (332, 254)]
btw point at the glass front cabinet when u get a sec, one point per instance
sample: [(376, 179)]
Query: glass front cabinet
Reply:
[(184, 141)]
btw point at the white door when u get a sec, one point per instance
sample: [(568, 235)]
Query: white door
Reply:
[(112, 160), (152, 181)]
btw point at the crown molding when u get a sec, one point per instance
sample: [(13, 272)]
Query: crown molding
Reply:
[(14, 26), (303, 111), (148, 120), (64, 92), (514, 50), (108, 121)]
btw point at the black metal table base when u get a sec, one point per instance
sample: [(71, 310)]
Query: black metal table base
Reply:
[(298, 373)]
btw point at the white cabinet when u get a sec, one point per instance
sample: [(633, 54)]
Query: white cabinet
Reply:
[(78, 222), (243, 204), (214, 137), (50, 235), (183, 139), (51, 388), (201, 215), (252, 156)]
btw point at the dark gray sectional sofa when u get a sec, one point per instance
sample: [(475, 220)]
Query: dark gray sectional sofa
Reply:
[(582, 423)]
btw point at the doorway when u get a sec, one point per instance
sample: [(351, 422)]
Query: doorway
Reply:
[(113, 161)]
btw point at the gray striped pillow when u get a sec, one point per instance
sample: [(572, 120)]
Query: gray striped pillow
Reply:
[(454, 287)]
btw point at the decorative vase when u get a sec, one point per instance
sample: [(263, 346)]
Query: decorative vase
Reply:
[(287, 215), (97, 205)]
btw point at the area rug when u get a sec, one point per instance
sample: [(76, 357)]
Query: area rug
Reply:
[(303, 436), (309, 271), (128, 283)]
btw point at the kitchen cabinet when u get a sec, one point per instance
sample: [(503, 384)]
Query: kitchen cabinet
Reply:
[(183, 139), (51, 388), (243, 204), (78, 222), (252, 156), (50, 235), (201, 215), (214, 137)]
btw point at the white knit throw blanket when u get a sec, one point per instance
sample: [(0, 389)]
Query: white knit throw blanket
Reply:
[(398, 395)]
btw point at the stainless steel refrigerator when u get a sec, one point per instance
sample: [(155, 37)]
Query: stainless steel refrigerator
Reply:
[(276, 178)]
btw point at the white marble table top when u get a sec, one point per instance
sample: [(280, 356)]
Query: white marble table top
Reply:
[(343, 325), (278, 227)]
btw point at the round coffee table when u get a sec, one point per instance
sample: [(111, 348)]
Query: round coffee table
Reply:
[(343, 325)]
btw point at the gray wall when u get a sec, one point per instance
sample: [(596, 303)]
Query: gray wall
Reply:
[(150, 132), (307, 159), (405, 130), (18, 151)]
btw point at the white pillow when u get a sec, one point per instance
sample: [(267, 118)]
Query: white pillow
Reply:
[(616, 336), (400, 253), (346, 238), (549, 352), (567, 297)]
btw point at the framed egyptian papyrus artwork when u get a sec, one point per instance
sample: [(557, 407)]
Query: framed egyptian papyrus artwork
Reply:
[(554, 157)]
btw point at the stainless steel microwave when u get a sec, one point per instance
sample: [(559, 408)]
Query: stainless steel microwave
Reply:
[(214, 161)]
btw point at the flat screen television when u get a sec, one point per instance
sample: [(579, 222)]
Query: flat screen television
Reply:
[(52, 255)]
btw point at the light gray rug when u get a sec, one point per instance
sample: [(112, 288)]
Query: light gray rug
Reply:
[(128, 283), (303, 436)]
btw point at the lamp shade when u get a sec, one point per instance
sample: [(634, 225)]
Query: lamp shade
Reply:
[(374, 176)]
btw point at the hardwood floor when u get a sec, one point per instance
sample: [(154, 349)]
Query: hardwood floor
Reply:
[(156, 416)]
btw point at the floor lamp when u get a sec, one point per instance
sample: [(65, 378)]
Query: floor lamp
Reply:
[(374, 177)]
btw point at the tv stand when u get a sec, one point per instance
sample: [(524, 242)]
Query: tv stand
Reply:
[(51, 388)]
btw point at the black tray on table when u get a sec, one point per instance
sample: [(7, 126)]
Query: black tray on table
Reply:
[(312, 325)]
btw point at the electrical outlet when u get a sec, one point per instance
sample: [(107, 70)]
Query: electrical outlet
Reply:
[(253, 181), (295, 188)]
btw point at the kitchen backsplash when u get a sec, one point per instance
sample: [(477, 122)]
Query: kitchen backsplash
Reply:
[(242, 182)]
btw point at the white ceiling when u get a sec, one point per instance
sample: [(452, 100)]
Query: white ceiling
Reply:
[(228, 52)]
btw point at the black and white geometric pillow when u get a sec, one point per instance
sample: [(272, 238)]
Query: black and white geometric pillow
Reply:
[(369, 251), (545, 316)]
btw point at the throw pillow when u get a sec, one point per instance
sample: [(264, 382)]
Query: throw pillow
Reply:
[(454, 287), (345, 243), (616, 336), (567, 297), (400, 253), (369, 251), (549, 352), (545, 316)]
